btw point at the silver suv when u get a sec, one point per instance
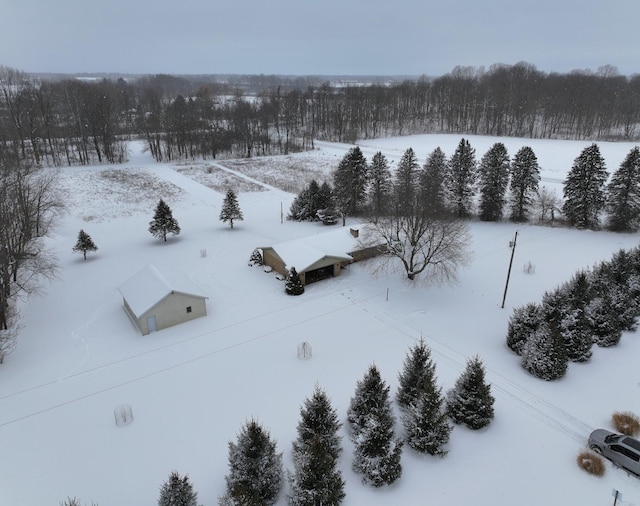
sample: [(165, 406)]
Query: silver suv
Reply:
[(623, 451)]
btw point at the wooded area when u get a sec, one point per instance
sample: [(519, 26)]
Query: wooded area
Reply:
[(81, 122)]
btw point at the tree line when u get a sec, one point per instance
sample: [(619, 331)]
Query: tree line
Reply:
[(70, 121)]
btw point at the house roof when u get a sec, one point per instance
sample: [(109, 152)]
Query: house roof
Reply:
[(304, 252), (152, 284)]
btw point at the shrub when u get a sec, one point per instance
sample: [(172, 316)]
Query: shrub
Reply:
[(591, 463), (626, 423)]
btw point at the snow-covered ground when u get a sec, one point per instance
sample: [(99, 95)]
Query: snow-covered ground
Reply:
[(191, 387)]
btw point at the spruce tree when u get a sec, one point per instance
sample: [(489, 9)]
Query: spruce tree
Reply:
[(461, 179), (623, 195), (377, 452), (177, 491), (524, 321), (316, 478), (544, 354), (432, 184), (350, 183), (406, 183), (293, 285), (584, 189), (230, 208), (425, 422), (525, 175), (380, 185), (84, 244), (163, 222), (255, 469), (574, 326), (470, 401), (493, 175)]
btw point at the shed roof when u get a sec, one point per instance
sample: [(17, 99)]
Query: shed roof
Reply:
[(152, 284), (304, 252)]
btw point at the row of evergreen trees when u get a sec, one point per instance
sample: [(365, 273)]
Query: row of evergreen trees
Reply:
[(256, 472), (462, 186), (255, 467), (594, 307)]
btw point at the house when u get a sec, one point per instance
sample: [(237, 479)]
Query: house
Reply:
[(322, 255), (158, 297)]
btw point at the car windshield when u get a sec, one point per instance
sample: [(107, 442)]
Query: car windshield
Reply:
[(611, 438)]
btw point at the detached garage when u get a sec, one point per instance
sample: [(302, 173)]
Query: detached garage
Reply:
[(157, 297)]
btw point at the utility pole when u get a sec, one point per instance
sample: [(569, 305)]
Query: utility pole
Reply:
[(512, 245)]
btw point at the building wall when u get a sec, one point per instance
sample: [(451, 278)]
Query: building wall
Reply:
[(270, 258), (172, 310)]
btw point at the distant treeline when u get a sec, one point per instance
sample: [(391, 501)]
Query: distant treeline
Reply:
[(73, 121)]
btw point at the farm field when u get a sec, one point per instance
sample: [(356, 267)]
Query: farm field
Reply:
[(191, 387)]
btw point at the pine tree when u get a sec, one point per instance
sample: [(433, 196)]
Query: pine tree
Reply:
[(380, 185), (350, 183), (84, 244), (230, 208), (584, 189), (623, 195), (470, 401), (406, 183), (432, 184), (461, 179), (524, 321), (316, 478), (525, 175), (574, 326), (377, 452), (493, 175), (293, 285), (163, 222), (177, 491), (255, 469), (544, 354), (421, 404)]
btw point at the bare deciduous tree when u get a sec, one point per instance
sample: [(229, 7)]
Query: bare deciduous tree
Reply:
[(435, 246)]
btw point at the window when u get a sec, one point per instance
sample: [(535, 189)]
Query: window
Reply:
[(188, 309)]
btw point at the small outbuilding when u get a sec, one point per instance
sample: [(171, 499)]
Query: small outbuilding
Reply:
[(158, 297)]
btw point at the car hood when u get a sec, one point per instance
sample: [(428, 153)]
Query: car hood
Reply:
[(598, 435)]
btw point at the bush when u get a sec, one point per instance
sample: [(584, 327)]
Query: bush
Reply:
[(591, 462), (626, 423)]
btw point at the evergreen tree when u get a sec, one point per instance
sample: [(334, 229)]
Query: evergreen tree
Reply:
[(493, 175), (293, 285), (525, 175), (380, 185), (163, 222), (177, 491), (461, 179), (524, 321), (584, 189), (350, 183), (255, 469), (406, 183), (421, 404), (623, 195), (574, 326), (470, 401), (544, 354), (432, 184), (377, 452), (84, 244), (316, 478), (230, 208)]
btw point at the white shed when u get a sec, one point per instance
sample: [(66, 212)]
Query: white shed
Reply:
[(158, 297)]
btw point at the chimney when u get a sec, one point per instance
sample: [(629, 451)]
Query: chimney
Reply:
[(354, 232)]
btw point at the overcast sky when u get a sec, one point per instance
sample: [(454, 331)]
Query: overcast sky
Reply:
[(307, 37)]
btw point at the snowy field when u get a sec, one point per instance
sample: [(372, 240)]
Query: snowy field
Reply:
[(192, 387)]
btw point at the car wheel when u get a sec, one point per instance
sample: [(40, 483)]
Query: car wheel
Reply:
[(596, 449)]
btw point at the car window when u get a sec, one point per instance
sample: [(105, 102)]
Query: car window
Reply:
[(633, 443), (626, 452)]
